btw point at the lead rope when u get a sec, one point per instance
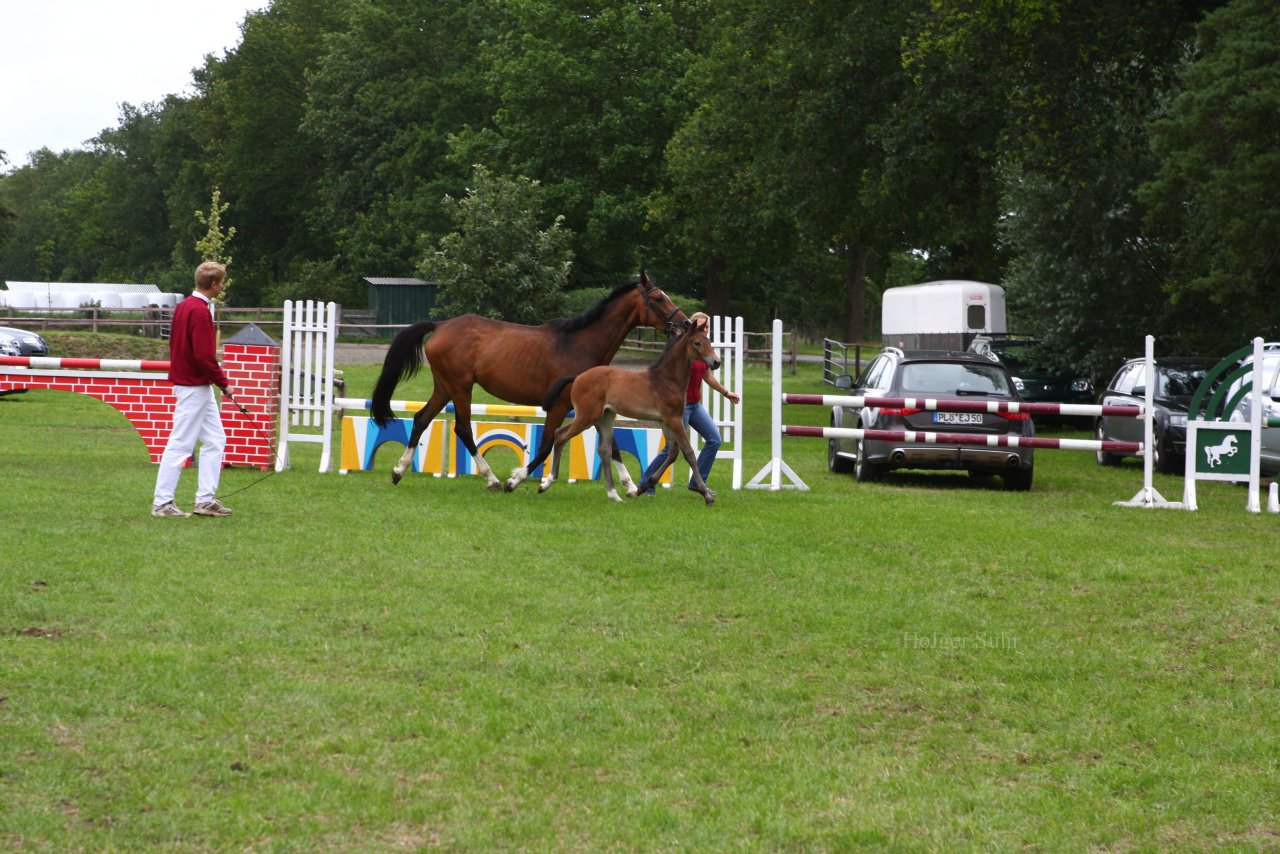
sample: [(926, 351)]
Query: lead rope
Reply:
[(274, 450)]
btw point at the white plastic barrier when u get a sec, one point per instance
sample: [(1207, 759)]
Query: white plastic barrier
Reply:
[(71, 300), (107, 299)]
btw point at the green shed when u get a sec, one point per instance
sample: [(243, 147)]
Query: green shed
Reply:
[(401, 301)]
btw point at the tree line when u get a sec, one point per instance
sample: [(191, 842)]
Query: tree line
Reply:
[(1112, 163)]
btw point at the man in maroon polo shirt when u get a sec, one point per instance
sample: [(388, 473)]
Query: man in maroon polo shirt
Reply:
[(194, 371)]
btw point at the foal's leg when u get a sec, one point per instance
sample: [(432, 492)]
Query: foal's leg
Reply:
[(580, 423), (676, 438), (620, 468), (462, 427), (668, 458), (604, 427), (698, 483), (555, 417), (421, 421)]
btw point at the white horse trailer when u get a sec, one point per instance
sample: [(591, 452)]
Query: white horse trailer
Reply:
[(944, 315)]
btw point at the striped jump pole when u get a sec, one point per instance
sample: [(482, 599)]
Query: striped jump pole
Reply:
[(47, 363), (942, 405), (504, 410), (507, 410), (995, 441), (774, 470)]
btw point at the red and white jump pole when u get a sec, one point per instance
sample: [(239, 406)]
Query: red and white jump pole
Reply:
[(777, 468), (994, 441), (47, 363)]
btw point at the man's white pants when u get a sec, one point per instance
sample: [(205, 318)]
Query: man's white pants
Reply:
[(195, 419)]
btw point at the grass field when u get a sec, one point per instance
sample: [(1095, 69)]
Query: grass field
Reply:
[(927, 663)]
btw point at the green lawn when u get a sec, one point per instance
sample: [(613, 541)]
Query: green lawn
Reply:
[(927, 663)]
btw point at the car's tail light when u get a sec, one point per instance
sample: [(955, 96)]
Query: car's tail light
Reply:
[(1015, 416), (900, 411)]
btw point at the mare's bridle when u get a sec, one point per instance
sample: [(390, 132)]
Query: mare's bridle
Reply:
[(649, 306)]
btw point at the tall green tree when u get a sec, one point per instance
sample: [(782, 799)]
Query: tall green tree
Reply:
[(500, 261), (787, 131), (712, 213), (1071, 86), (588, 95), (1214, 200), (382, 104), (267, 165), (48, 196)]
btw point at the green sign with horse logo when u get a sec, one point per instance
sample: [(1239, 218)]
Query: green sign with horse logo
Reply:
[(1222, 451)]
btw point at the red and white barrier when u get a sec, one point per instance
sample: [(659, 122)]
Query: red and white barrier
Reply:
[(772, 475), (140, 390), (84, 364), (995, 441), (942, 405)]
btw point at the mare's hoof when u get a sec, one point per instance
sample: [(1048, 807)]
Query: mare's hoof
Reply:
[(395, 477), (495, 486)]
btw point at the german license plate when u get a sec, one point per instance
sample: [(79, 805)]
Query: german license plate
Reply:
[(957, 418)]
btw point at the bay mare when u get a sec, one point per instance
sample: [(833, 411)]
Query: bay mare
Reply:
[(514, 362), (602, 393)]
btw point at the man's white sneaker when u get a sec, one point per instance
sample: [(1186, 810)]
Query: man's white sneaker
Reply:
[(212, 508)]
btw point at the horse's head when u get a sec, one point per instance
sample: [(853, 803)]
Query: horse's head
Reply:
[(657, 309), (698, 345)]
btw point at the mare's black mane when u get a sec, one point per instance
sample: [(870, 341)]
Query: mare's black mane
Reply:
[(591, 315)]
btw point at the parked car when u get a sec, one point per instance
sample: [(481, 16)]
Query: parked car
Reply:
[(1270, 408), (1176, 381), (20, 342), (895, 373), (1025, 358)]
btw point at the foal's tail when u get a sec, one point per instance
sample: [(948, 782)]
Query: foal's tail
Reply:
[(557, 388), (404, 359)]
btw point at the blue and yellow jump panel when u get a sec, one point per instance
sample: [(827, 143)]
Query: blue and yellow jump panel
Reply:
[(436, 455)]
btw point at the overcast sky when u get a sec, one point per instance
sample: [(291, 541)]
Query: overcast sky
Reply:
[(67, 65)]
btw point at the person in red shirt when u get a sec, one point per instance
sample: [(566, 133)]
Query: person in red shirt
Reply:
[(696, 415), (194, 372)]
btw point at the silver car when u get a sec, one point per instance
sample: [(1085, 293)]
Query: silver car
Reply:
[(20, 342), (1270, 408)]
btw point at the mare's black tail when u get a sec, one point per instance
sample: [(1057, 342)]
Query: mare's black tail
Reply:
[(404, 359)]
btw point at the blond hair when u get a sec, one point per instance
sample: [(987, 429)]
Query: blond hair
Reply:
[(700, 317), (209, 274)]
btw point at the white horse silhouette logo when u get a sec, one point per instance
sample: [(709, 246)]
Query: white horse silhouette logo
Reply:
[(1214, 453)]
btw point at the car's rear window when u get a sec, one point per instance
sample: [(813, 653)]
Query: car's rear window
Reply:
[(949, 378), (1180, 382)]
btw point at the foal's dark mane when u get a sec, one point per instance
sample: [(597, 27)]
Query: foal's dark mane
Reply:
[(591, 315), (673, 341)]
